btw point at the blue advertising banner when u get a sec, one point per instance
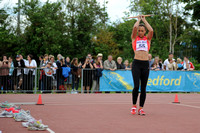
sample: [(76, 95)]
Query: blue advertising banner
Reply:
[(159, 81)]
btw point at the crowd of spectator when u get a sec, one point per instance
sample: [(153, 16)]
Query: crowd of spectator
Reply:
[(170, 63), (63, 74)]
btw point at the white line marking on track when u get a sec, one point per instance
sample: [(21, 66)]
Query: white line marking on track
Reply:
[(197, 107), (191, 102), (51, 131), (25, 103), (75, 104)]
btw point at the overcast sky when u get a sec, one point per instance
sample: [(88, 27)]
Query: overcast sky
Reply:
[(115, 8)]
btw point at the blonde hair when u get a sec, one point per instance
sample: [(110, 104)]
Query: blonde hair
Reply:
[(51, 56), (46, 55), (179, 60), (119, 58)]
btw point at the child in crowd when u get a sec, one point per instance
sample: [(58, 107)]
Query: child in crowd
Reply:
[(172, 65), (155, 67), (179, 65), (127, 66)]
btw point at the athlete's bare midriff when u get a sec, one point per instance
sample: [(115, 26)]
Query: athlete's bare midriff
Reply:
[(141, 55)]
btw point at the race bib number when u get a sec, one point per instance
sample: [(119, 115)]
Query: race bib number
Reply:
[(141, 45)]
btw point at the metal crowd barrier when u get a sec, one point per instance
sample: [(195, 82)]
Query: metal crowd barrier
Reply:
[(13, 80), (38, 80), (90, 80)]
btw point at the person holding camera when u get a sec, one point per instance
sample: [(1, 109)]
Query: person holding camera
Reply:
[(76, 74), (18, 73), (4, 72), (48, 77), (98, 65), (87, 74)]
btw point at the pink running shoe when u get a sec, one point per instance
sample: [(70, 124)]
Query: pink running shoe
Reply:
[(133, 110), (141, 112), (9, 109)]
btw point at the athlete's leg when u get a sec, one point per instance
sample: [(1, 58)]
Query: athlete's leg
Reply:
[(136, 80), (144, 80)]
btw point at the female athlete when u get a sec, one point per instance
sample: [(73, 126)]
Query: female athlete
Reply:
[(140, 65)]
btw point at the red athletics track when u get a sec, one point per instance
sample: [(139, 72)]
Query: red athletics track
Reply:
[(108, 113)]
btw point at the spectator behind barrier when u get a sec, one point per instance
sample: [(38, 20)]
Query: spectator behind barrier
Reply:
[(59, 56), (62, 79), (76, 75), (48, 78), (68, 62), (90, 58), (58, 71), (46, 60), (127, 66), (55, 67), (110, 64), (29, 73), (179, 65), (156, 64), (155, 67), (161, 62), (100, 55), (11, 66), (41, 59), (87, 74), (4, 72), (98, 73), (18, 72), (166, 62), (171, 65), (119, 63), (150, 60), (69, 79), (187, 65)]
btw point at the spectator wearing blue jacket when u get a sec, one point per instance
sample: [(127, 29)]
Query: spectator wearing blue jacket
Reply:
[(69, 79)]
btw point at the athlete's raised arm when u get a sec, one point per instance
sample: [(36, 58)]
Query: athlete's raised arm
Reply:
[(135, 28), (150, 29)]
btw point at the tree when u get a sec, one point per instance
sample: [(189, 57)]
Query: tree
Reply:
[(104, 43), (46, 30), (65, 27), (192, 9), (122, 36), (7, 38), (84, 17)]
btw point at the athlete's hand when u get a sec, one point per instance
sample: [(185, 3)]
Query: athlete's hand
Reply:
[(143, 18), (139, 18)]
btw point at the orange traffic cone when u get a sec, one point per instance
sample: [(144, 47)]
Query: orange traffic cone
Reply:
[(176, 99), (39, 100)]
